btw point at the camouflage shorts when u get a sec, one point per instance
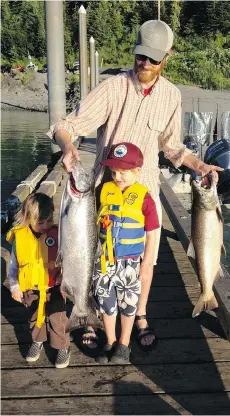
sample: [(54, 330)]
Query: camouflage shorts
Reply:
[(119, 288)]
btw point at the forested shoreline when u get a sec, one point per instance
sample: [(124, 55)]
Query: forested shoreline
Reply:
[(202, 35)]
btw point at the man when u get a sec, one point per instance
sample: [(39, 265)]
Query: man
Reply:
[(142, 107)]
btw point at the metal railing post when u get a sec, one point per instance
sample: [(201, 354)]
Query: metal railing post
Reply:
[(96, 68), (83, 52), (55, 62), (92, 62)]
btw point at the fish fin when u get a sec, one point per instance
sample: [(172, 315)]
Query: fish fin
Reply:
[(205, 305), (219, 214), (67, 291), (223, 251), (59, 259), (191, 250), (220, 273), (99, 251)]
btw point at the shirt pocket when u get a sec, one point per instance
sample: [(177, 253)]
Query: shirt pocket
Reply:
[(155, 126)]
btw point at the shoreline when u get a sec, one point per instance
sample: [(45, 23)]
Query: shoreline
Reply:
[(15, 107), (34, 95)]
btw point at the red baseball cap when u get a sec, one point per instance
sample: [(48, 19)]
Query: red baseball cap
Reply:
[(124, 156)]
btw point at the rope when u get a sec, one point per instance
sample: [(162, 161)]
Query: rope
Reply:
[(159, 9)]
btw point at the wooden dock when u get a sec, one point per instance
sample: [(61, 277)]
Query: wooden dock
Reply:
[(188, 372)]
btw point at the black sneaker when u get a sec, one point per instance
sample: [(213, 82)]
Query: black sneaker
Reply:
[(105, 354), (34, 352), (121, 355), (62, 360)]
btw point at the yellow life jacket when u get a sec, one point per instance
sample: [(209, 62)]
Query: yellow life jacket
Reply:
[(121, 222), (36, 260)]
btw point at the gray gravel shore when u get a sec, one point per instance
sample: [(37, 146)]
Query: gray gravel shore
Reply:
[(34, 95)]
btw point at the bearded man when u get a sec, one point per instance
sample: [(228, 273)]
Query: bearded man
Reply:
[(141, 107)]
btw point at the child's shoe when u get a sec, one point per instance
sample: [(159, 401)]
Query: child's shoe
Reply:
[(105, 354), (34, 352), (63, 357), (121, 355)]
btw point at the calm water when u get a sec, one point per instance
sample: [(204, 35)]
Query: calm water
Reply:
[(23, 143), (25, 146)]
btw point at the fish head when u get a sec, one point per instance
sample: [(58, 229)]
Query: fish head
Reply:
[(83, 179), (204, 192)]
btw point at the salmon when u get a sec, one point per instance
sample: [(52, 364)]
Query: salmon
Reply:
[(79, 245), (206, 245)]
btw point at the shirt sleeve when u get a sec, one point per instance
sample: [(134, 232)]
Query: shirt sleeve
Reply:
[(89, 115), (150, 213), (13, 270), (170, 139)]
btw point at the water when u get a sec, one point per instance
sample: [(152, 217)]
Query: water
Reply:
[(25, 146), (23, 142)]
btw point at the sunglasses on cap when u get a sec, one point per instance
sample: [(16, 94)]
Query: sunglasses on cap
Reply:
[(143, 58)]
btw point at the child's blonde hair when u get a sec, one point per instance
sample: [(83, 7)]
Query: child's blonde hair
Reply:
[(36, 207)]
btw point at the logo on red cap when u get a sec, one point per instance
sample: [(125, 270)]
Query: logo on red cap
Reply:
[(120, 151)]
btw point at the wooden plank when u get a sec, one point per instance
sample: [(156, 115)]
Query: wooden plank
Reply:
[(167, 351), (50, 184), (176, 279), (156, 294), (182, 223), (169, 378), (161, 310), (204, 326), (172, 268), (162, 404)]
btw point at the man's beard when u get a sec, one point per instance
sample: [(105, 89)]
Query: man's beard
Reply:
[(146, 75)]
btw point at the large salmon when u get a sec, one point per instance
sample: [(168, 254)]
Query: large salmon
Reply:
[(78, 244), (206, 244)]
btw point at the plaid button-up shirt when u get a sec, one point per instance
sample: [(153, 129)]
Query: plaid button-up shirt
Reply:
[(121, 112)]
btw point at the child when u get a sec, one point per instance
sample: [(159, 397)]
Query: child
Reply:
[(34, 279), (127, 218)]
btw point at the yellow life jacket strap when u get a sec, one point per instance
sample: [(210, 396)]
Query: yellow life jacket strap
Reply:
[(108, 244), (103, 260)]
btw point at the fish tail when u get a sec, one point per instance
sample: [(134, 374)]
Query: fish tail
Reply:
[(205, 304)]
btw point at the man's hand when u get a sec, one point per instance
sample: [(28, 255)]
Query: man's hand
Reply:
[(146, 271), (200, 167), (70, 155), (204, 169), (17, 295)]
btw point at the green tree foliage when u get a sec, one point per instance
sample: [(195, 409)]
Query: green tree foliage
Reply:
[(22, 29), (201, 29)]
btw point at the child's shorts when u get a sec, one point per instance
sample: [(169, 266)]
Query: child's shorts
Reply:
[(119, 288)]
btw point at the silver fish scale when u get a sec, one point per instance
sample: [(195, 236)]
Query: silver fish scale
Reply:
[(78, 242)]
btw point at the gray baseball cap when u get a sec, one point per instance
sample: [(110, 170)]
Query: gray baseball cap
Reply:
[(154, 39)]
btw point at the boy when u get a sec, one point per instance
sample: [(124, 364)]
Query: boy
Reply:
[(127, 218)]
